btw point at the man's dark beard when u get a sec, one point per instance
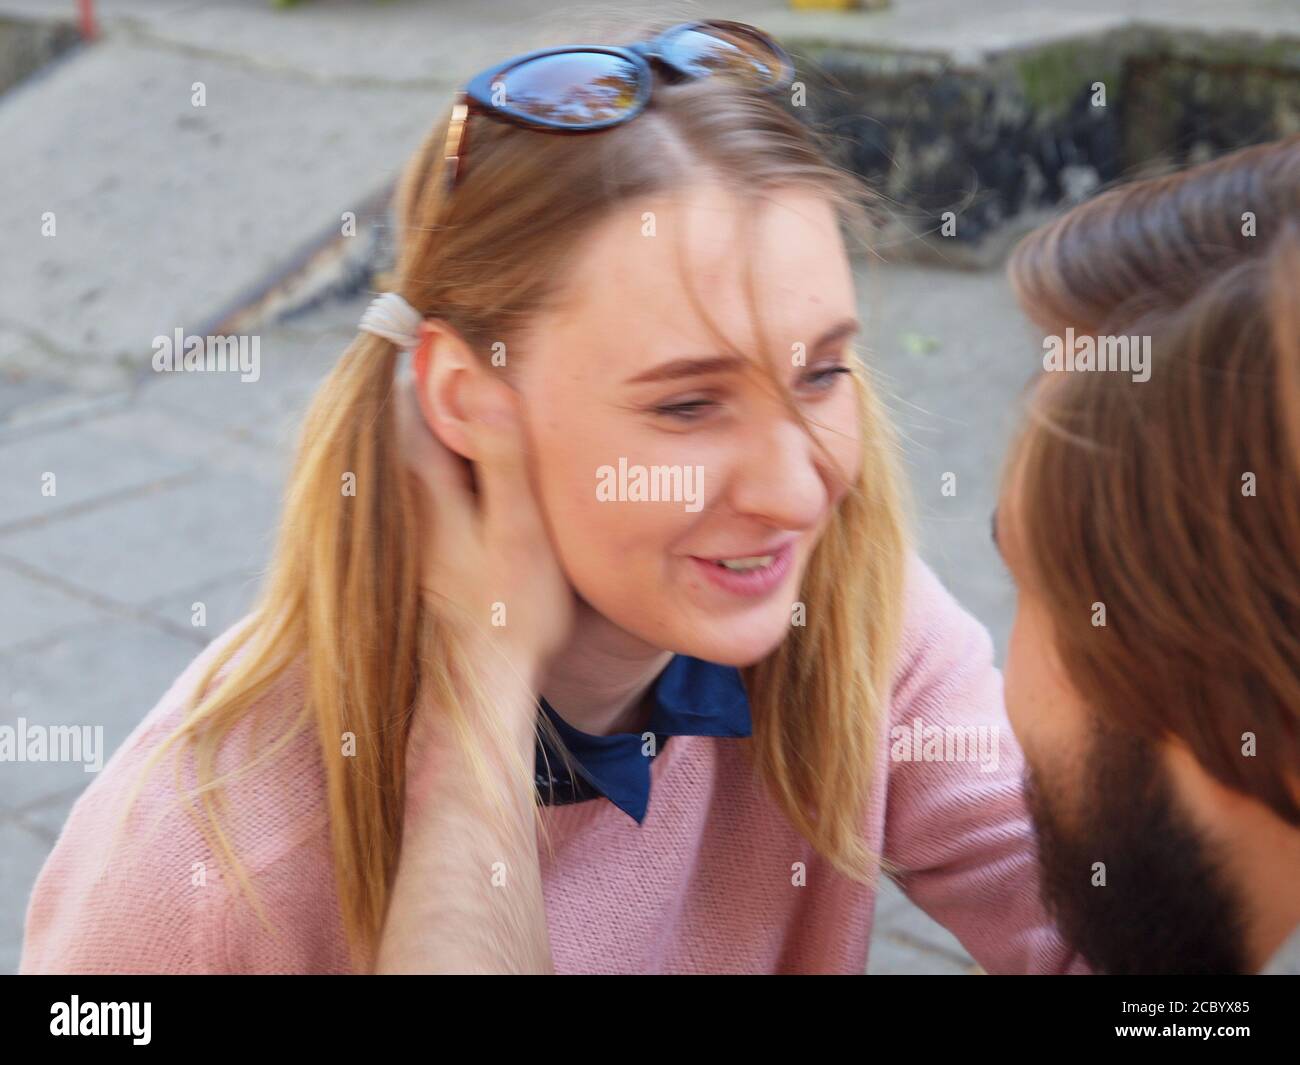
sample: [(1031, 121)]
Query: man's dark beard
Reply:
[(1166, 906)]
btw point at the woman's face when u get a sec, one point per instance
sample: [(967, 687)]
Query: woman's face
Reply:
[(658, 456)]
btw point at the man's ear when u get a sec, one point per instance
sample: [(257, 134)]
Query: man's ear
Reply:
[(447, 378)]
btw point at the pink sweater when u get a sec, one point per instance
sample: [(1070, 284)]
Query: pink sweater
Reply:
[(704, 884)]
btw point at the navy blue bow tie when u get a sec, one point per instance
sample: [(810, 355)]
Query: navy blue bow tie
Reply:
[(691, 697)]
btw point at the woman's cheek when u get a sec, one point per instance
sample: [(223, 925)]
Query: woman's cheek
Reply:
[(845, 447)]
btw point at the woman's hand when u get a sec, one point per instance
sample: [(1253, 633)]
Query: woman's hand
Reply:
[(488, 565)]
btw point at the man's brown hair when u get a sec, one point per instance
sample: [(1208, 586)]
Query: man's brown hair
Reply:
[(1175, 501)]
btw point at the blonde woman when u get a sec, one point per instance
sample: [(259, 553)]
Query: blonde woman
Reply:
[(596, 645)]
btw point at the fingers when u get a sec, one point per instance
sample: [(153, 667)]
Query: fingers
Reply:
[(508, 504), (505, 501), (445, 475)]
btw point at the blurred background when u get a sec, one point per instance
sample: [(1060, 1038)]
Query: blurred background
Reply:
[(975, 119)]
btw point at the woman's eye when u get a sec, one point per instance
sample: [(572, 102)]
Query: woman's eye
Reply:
[(689, 411), (824, 380), (694, 410)]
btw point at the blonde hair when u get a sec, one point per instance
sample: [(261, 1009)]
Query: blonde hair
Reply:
[(342, 596)]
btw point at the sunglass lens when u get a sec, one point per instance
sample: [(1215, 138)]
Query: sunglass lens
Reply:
[(571, 88), (705, 51)]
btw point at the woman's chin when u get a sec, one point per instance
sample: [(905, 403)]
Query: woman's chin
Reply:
[(739, 649)]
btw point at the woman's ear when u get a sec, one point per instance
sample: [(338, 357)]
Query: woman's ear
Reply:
[(446, 377)]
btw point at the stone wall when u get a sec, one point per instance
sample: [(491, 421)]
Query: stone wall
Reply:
[(965, 157)]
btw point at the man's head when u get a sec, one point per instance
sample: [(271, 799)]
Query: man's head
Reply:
[(1150, 516)]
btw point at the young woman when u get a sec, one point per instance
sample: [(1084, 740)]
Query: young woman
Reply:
[(1151, 518), (614, 486)]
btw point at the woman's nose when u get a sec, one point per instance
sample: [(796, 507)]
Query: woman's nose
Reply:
[(778, 477)]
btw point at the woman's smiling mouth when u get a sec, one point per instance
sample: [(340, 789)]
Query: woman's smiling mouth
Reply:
[(748, 575)]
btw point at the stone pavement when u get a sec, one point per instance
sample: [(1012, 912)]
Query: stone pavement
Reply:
[(164, 497)]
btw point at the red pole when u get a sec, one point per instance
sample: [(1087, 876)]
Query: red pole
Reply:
[(87, 11)]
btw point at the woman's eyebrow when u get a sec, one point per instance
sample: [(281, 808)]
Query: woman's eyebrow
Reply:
[(688, 367), (694, 367), (839, 331)]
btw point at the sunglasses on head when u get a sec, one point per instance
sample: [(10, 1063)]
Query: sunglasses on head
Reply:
[(583, 88)]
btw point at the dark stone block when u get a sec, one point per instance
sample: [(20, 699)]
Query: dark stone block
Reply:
[(1002, 143)]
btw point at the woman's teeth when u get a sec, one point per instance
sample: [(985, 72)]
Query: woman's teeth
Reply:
[(752, 562)]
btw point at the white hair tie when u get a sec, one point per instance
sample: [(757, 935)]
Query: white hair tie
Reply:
[(391, 317)]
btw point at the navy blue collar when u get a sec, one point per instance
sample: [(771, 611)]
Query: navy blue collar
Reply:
[(691, 697)]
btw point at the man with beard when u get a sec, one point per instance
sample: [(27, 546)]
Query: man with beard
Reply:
[(1153, 531)]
